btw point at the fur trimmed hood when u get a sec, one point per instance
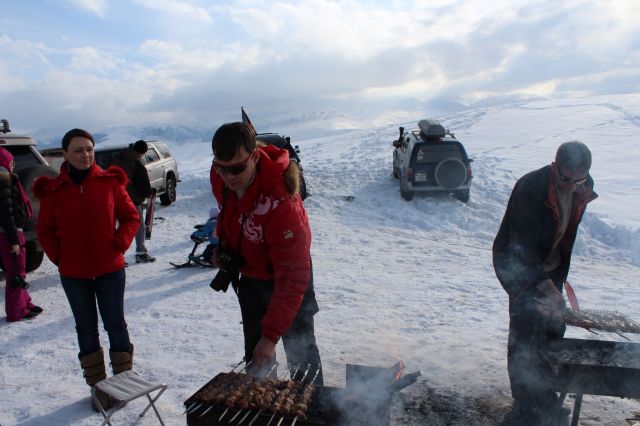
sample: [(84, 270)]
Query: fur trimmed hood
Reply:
[(43, 184)]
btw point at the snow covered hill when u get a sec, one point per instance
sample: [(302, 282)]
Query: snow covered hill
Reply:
[(394, 279)]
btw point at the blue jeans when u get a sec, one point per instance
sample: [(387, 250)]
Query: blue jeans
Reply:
[(142, 233), (108, 290)]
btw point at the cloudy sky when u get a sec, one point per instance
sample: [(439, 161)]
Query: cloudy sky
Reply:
[(91, 63)]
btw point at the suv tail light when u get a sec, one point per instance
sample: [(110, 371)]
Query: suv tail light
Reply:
[(469, 172), (409, 172)]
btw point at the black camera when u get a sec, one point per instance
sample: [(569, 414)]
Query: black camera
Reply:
[(20, 282), (230, 264)]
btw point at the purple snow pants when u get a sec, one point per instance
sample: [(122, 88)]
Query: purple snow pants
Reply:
[(17, 301)]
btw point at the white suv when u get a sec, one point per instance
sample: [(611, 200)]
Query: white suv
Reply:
[(159, 162), (29, 165)]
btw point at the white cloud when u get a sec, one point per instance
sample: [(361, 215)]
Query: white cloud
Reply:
[(185, 56), (90, 59), (97, 7), (177, 7)]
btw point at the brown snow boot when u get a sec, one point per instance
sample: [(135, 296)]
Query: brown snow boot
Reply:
[(93, 371), (121, 361)]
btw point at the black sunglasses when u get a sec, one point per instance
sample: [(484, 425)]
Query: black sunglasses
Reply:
[(570, 181), (236, 169)]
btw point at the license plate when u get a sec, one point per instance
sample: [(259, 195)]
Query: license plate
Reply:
[(421, 177)]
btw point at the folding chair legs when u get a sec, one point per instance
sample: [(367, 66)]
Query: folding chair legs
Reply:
[(153, 405), (126, 387)]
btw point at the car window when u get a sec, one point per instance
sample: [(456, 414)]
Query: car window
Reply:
[(434, 153), (23, 157), (104, 157), (151, 156), (164, 149)]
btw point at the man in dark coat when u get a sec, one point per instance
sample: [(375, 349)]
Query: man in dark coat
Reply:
[(138, 188), (531, 257)]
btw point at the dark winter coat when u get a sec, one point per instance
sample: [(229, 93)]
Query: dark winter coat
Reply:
[(138, 186), (13, 213), (528, 230), (276, 237), (85, 229)]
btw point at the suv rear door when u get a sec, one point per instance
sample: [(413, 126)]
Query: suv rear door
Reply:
[(156, 172), (427, 156)]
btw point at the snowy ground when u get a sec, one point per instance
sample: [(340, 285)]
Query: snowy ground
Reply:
[(395, 280)]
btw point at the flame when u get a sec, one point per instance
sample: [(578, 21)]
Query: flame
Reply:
[(399, 370)]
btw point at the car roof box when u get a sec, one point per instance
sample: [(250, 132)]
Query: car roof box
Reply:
[(431, 128)]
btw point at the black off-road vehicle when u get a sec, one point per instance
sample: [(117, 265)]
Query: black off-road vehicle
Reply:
[(283, 142), (430, 159)]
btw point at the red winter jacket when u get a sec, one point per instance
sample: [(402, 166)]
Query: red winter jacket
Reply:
[(276, 238), (77, 223)]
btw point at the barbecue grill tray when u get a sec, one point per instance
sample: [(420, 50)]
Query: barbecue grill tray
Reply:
[(596, 367), (321, 411)]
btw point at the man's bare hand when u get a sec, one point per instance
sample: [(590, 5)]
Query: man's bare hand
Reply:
[(263, 352), (214, 257), (551, 292)]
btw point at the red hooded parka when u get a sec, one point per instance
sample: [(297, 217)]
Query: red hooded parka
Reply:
[(77, 223), (276, 238)]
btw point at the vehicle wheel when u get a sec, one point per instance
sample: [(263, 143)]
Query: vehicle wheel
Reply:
[(34, 255), (303, 188), (170, 194), (462, 195), (27, 176), (407, 195)]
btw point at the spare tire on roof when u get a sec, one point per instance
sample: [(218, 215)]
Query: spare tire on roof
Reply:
[(450, 173)]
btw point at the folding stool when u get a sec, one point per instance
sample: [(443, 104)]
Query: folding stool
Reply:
[(126, 387)]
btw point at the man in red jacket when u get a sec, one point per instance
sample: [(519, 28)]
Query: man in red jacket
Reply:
[(265, 249)]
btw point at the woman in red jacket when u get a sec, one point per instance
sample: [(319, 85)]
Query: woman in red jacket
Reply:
[(85, 224)]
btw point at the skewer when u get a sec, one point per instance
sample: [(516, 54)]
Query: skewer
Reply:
[(206, 411), (262, 409), (292, 376), (189, 407), (234, 417), (228, 408), (238, 364), (256, 416), (249, 410), (310, 383), (244, 417), (245, 367), (225, 412), (301, 381), (623, 336), (194, 409)]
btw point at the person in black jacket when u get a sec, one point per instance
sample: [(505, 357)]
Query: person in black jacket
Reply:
[(531, 258), (139, 189), (15, 209)]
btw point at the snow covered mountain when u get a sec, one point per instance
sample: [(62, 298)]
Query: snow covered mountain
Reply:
[(394, 279)]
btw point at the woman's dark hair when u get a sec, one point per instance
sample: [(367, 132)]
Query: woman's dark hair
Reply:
[(574, 155), (76, 133), (230, 137)]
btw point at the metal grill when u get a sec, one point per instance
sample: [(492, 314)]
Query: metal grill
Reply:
[(595, 367), (366, 400)]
